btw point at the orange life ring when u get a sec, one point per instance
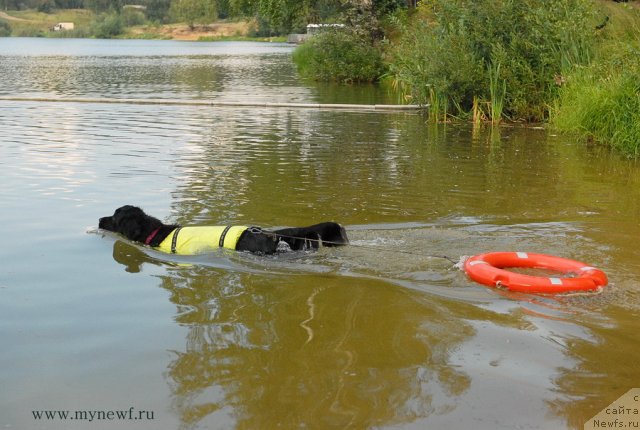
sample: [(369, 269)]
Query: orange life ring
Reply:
[(488, 268)]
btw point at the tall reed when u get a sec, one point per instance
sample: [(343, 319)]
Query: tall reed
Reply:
[(438, 106), (497, 91), (449, 43)]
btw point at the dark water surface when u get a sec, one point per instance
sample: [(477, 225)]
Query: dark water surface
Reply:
[(375, 335)]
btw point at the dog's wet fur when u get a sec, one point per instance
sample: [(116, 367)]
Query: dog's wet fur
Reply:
[(135, 225)]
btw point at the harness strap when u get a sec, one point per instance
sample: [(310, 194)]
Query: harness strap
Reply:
[(174, 240), (223, 235)]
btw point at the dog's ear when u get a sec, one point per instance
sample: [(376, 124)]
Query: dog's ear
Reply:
[(131, 228)]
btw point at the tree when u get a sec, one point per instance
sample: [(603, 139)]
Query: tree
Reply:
[(157, 10), (195, 11), (46, 6), (104, 5), (243, 7), (284, 16), (70, 4), (9, 4)]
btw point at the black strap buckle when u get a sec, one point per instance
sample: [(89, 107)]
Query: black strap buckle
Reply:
[(223, 235), (174, 240)]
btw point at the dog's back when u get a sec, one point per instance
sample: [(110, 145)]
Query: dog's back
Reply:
[(136, 225), (201, 239)]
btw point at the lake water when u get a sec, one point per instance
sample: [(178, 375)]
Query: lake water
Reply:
[(375, 335)]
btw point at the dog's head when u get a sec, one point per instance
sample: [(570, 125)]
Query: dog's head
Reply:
[(130, 221)]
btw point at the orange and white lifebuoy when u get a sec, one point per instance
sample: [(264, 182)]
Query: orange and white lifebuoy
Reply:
[(488, 269)]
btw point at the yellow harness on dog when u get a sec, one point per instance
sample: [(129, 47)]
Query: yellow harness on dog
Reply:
[(197, 240)]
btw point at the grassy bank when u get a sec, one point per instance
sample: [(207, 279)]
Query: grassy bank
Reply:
[(574, 62), (489, 60), (31, 23), (601, 101)]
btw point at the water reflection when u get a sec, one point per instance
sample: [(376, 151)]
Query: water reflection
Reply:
[(316, 338), (148, 77), (592, 388), (129, 256), (376, 334), (264, 352), (271, 343), (225, 71)]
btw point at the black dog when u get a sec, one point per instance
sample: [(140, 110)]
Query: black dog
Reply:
[(135, 225)]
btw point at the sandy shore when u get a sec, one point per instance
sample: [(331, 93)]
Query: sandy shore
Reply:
[(183, 32)]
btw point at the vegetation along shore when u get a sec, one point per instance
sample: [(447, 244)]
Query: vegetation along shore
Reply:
[(574, 64)]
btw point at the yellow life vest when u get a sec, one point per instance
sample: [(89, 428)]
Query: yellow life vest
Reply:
[(197, 240)]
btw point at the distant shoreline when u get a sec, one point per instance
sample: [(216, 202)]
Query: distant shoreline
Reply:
[(31, 23)]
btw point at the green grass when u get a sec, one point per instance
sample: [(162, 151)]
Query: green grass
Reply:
[(623, 20), (82, 16), (601, 101), (603, 107), (39, 23)]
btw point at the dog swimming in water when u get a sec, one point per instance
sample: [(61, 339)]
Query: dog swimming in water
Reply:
[(134, 224)]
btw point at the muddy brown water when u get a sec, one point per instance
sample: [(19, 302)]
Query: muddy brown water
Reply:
[(375, 335)]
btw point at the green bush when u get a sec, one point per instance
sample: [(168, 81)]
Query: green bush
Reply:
[(5, 29), (339, 56), (131, 17), (46, 6), (28, 31), (450, 47), (107, 26), (261, 28)]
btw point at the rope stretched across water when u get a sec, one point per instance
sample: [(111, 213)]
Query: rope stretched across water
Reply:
[(372, 248)]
